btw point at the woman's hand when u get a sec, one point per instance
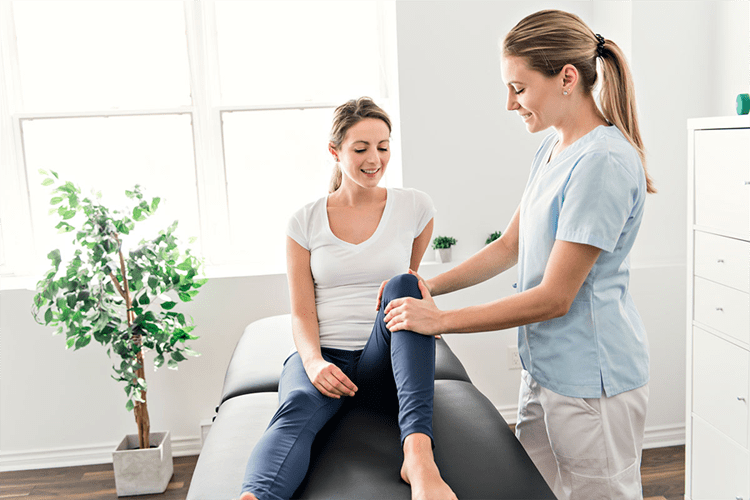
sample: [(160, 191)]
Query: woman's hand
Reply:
[(329, 379), (382, 287), (419, 316)]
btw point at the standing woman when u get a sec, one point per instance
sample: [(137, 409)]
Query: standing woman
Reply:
[(584, 389), (339, 249)]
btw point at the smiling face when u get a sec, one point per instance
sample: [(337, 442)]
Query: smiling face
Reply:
[(535, 97), (364, 153)]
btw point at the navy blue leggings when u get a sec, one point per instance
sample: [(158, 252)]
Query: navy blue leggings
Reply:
[(393, 371)]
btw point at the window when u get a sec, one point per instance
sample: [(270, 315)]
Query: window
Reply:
[(222, 109)]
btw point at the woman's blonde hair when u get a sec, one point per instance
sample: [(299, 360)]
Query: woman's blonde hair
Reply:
[(347, 115), (549, 39)]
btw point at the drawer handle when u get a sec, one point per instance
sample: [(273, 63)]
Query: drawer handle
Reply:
[(720, 309), (740, 398), (720, 261)]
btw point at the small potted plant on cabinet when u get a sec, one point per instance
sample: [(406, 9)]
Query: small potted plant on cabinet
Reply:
[(492, 237), (120, 301), (442, 246)]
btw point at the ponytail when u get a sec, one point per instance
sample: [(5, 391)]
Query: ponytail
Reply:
[(549, 39), (617, 99), (335, 179)]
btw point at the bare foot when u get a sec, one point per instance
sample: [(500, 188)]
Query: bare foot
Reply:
[(420, 471), (248, 496)]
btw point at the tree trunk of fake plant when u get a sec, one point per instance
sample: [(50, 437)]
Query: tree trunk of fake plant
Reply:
[(141, 410)]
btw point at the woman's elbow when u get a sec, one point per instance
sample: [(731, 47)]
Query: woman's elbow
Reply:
[(556, 306)]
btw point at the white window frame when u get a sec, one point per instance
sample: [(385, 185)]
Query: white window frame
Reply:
[(206, 114)]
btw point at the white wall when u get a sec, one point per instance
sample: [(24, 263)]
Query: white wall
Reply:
[(460, 145)]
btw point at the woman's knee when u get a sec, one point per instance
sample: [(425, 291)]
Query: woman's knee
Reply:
[(300, 402), (403, 285)]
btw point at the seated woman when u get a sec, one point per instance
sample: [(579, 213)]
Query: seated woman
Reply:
[(339, 250)]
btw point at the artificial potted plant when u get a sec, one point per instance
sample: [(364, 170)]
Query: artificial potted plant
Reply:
[(120, 301), (492, 237), (442, 246)]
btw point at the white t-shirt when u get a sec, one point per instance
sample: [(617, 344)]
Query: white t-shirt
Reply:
[(347, 276)]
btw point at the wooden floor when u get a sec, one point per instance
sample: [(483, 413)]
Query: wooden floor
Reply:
[(663, 472)]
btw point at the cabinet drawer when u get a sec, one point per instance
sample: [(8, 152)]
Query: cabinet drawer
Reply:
[(722, 308), (722, 169), (720, 384), (723, 260), (719, 465)]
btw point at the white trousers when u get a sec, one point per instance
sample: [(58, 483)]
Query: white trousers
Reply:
[(586, 449)]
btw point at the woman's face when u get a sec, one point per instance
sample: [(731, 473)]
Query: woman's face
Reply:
[(364, 154), (536, 97)]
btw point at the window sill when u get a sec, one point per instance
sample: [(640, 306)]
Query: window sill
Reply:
[(28, 282)]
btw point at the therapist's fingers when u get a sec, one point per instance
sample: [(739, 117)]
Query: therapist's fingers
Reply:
[(380, 294), (393, 304)]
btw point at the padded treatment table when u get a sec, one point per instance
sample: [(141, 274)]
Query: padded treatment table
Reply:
[(357, 455)]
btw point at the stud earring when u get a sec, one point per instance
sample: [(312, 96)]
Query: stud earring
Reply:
[(565, 92)]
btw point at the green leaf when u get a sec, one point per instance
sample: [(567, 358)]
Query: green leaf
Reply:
[(152, 328), (137, 214), (69, 214), (155, 204), (70, 342), (177, 356), (54, 256), (158, 361), (172, 364), (47, 182), (185, 265), (191, 352), (184, 297), (55, 200), (48, 316), (83, 341), (129, 405), (144, 300), (168, 305)]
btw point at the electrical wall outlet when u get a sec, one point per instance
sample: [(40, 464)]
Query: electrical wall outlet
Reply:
[(514, 360)]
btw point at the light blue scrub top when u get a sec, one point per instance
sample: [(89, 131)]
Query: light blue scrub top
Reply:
[(593, 192)]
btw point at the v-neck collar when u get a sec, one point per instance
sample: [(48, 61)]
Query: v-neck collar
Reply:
[(374, 235)]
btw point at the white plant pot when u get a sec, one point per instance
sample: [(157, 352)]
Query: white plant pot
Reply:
[(142, 472), (443, 254)]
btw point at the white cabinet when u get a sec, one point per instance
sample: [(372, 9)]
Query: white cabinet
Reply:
[(718, 347)]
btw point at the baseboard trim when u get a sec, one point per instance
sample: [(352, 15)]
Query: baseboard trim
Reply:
[(664, 435), (654, 437), (84, 455)]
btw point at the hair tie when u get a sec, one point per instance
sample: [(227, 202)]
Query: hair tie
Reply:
[(600, 45)]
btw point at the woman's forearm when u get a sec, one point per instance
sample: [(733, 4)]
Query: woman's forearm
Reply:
[(567, 268), (306, 338), (531, 306)]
